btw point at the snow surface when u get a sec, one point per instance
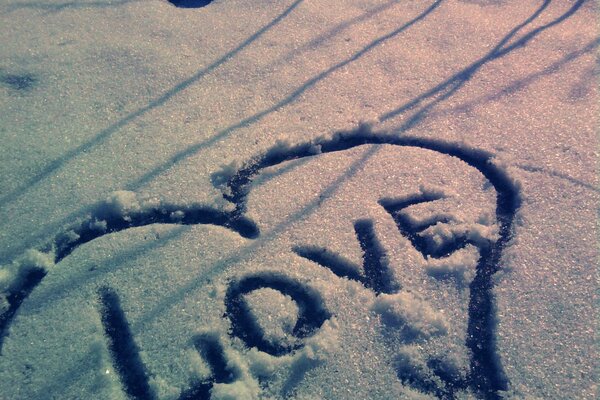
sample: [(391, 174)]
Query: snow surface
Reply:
[(360, 199)]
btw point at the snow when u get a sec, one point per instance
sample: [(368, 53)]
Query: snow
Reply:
[(404, 310), (299, 200)]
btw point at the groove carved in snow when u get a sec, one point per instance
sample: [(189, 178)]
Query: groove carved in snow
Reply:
[(436, 240)]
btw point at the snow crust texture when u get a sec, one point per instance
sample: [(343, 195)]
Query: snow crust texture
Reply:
[(280, 311), (298, 200)]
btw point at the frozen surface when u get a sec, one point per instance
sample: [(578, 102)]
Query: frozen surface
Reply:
[(298, 199)]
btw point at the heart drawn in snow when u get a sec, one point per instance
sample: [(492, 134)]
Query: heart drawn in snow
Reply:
[(360, 241)]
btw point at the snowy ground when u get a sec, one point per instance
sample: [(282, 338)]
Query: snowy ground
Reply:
[(359, 199)]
